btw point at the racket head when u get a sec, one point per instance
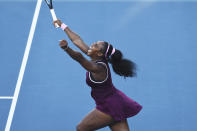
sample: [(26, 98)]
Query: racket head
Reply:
[(50, 4)]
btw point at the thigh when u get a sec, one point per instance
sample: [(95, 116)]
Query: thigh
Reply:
[(119, 126), (95, 120)]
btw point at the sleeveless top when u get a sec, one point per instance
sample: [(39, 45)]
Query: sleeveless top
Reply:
[(110, 100), (103, 89)]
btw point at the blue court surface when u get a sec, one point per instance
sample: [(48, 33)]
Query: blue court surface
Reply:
[(43, 89)]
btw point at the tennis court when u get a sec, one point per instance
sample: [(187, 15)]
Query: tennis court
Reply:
[(43, 89)]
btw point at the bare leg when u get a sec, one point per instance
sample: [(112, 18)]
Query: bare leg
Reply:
[(119, 126), (94, 120)]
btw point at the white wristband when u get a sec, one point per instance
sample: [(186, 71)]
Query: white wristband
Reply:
[(63, 26)]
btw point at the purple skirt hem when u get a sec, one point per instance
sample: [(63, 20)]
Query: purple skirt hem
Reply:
[(119, 118)]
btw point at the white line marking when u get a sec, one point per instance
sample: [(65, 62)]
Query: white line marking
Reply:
[(6, 97), (23, 65)]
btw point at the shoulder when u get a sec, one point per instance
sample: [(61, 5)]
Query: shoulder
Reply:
[(95, 67), (101, 63), (104, 65)]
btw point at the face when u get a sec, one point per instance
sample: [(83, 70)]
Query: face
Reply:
[(95, 49)]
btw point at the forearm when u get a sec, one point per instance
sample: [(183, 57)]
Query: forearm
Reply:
[(75, 38), (74, 54), (72, 35)]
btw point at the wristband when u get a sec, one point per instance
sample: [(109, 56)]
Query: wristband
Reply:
[(63, 26)]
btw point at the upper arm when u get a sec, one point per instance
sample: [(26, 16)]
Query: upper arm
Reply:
[(91, 66), (88, 65)]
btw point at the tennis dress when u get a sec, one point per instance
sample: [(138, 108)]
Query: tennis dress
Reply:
[(110, 100)]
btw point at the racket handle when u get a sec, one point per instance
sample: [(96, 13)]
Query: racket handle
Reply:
[(54, 17)]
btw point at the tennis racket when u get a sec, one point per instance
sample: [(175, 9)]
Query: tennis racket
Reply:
[(50, 5)]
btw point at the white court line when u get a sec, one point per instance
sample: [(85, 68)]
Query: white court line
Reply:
[(6, 97), (23, 65)]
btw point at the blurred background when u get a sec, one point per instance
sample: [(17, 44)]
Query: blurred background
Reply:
[(158, 35)]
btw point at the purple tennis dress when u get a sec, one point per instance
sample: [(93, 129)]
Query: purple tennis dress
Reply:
[(111, 100)]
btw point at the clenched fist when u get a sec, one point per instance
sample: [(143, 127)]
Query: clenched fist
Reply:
[(58, 22), (63, 44)]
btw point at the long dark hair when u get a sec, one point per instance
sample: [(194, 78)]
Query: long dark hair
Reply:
[(120, 65)]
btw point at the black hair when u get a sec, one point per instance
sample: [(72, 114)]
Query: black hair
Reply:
[(120, 65)]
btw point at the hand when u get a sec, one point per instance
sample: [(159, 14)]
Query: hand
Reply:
[(63, 44), (57, 22)]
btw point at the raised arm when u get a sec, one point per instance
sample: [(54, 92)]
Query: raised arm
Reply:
[(88, 65), (75, 38)]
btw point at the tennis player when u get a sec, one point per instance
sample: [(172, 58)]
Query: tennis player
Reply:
[(113, 107)]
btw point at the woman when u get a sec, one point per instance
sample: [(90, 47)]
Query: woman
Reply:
[(112, 106)]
